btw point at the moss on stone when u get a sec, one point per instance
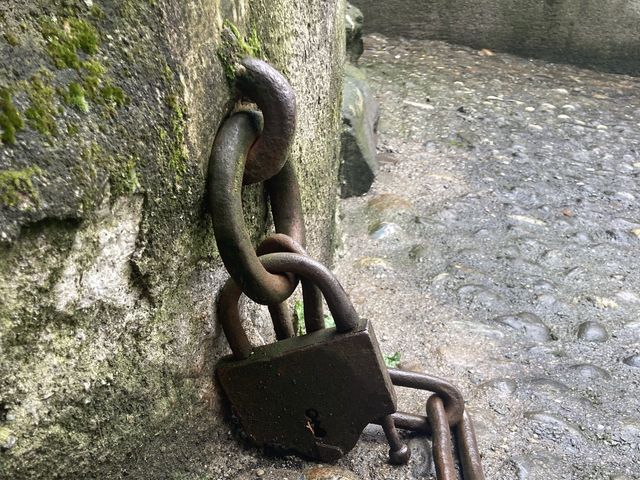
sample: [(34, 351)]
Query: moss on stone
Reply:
[(123, 177), (75, 97), (178, 155), (99, 87), (97, 12), (41, 114), (94, 67), (112, 95), (17, 184), (67, 39), (12, 39), (72, 129), (10, 119), (236, 46)]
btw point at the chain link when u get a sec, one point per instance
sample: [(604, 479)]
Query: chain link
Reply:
[(445, 410)]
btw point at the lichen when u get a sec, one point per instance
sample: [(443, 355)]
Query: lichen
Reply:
[(75, 97), (65, 41), (178, 155), (16, 185), (10, 119), (236, 46), (12, 39), (41, 114), (123, 177)]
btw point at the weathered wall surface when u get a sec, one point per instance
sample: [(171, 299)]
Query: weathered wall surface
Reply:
[(108, 265), (601, 33)]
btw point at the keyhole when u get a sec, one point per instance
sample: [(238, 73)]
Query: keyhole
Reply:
[(313, 423)]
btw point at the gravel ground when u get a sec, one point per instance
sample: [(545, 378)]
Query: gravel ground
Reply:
[(498, 248)]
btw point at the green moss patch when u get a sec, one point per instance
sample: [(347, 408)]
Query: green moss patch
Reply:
[(17, 184), (235, 47), (65, 39), (112, 96), (41, 114), (124, 177), (75, 97), (10, 120)]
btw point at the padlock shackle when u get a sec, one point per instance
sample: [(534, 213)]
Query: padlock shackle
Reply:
[(341, 308), (310, 270)]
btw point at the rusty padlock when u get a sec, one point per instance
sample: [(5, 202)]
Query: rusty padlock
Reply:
[(312, 394)]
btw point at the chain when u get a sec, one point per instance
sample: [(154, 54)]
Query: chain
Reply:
[(250, 148), (445, 410)]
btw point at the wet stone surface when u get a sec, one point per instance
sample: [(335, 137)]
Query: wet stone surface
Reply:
[(499, 247)]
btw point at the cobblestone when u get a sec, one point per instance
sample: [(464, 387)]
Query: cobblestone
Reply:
[(498, 248)]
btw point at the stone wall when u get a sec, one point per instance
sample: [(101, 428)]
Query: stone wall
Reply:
[(600, 33), (108, 264)]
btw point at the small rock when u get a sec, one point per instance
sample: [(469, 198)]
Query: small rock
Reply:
[(485, 52), (388, 201), (527, 324), (353, 28), (603, 302), (384, 230), (372, 263), (627, 297), (329, 473), (592, 332), (554, 421), (7, 439), (502, 386), (633, 361), (526, 219), (417, 253), (480, 296), (586, 370), (358, 143)]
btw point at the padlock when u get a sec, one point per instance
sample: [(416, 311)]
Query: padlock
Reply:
[(313, 394)]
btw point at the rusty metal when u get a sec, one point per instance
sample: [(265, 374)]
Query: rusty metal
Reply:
[(445, 410), (468, 448), (399, 452), (342, 310), (311, 394), (280, 314), (271, 91), (450, 395), (441, 439), (285, 394), (337, 300), (226, 168), (311, 296), (243, 139)]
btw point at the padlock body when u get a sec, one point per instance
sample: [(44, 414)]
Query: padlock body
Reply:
[(312, 394)]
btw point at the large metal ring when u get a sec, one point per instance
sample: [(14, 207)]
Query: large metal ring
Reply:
[(271, 91), (226, 167)]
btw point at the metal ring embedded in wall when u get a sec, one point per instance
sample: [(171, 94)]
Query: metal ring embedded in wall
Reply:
[(239, 138), (271, 91)]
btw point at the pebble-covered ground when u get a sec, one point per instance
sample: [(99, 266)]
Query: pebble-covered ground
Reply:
[(499, 247)]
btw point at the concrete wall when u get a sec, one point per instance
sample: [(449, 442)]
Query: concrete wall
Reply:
[(600, 33), (108, 264)]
